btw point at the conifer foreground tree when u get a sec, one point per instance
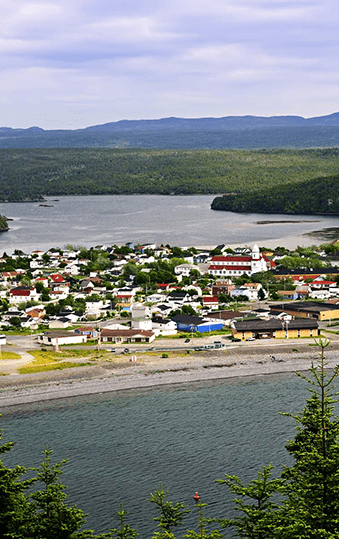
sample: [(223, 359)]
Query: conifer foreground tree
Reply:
[(301, 503)]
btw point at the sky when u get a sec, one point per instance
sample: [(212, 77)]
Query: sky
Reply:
[(67, 64)]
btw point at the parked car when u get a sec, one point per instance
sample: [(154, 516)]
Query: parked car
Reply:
[(187, 340), (250, 339), (234, 339), (217, 342)]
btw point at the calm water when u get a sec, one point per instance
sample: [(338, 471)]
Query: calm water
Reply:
[(177, 220), (123, 445)]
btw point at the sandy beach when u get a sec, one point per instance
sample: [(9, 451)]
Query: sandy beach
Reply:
[(149, 371)]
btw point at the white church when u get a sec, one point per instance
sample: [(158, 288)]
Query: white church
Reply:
[(234, 265)]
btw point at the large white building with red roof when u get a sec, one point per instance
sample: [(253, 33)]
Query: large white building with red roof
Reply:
[(235, 266)]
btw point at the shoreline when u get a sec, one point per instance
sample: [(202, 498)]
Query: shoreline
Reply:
[(102, 378)]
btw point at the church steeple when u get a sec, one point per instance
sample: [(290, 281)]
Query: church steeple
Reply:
[(255, 252)]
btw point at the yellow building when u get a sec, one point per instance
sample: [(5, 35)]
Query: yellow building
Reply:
[(275, 329), (310, 309)]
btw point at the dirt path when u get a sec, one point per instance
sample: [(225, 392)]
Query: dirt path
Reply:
[(11, 366)]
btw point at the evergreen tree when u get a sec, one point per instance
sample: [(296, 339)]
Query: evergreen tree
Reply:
[(50, 517), (255, 502), (311, 507), (171, 515), (13, 502), (303, 503)]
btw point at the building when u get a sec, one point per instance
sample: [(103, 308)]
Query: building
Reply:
[(196, 323), (275, 329), (310, 309), (119, 336), (56, 338), (236, 265)]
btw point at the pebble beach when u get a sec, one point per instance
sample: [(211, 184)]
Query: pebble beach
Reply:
[(150, 371)]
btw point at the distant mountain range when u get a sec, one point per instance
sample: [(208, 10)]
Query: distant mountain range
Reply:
[(182, 133)]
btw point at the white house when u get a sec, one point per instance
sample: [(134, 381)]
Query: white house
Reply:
[(141, 323), (55, 338), (164, 326)]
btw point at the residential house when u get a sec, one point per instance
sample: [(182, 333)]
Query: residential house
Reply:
[(90, 331), (23, 293), (119, 336), (225, 317), (163, 326), (210, 302), (288, 294), (222, 287), (56, 338), (141, 323)]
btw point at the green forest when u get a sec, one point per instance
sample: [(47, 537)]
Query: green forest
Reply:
[(280, 176), (320, 195), (300, 502)]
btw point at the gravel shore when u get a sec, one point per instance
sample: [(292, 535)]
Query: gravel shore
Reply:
[(150, 371)]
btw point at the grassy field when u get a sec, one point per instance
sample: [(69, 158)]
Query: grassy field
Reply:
[(46, 360), (9, 355)]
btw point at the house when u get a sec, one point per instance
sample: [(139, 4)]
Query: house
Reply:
[(222, 287), (120, 336), (288, 294), (57, 278), (90, 331), (140, 311), (185, 269), (211, 302), (36, 312), (196, 323), (141, 323), (56, 338), (163, 309), (249, 290), (59, 323), (225, 317), (23, 293), (164, 326), (275, 329), (178, 297)]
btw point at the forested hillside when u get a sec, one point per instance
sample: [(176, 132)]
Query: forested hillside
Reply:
[(320, 195), (33, 174)]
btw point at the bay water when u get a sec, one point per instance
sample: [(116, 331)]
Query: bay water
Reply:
[(177, 220), (122, 445)]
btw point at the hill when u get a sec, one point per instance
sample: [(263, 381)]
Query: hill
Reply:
[(247, 132), (32, 174), (315, 196)]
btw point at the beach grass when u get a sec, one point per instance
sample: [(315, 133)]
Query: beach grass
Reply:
[(31, 369), (47, 360), (9, 355)]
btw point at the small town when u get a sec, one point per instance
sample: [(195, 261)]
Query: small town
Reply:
[(135, 298)]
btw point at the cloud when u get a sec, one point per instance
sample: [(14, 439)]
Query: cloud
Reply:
[(78, 62)]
